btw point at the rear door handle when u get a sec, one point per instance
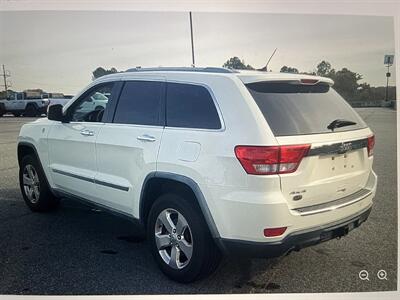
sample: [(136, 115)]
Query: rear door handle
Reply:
[(146, 138), (86, 132)]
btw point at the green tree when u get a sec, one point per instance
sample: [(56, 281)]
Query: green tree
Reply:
[(346, 83), (364, 93), (100, 71), (236, 63), (324, 69), (286, 69)]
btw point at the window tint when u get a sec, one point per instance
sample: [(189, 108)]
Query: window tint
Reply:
[(294, 109), (140, 103), (90, 107), (191, 106)]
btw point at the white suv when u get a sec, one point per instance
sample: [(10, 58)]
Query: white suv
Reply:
[(209, 161)]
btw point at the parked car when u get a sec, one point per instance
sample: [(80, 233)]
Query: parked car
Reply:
[(61, 101), (24, 103), (208, 161), (96, 102)]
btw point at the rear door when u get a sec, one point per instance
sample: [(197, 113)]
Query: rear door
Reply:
[(337, 164), (127, 147)]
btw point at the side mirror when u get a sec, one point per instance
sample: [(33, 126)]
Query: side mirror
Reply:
[(54, 112)]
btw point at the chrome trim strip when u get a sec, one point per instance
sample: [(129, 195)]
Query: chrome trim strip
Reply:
[(335, 204), (339, 148), (100, 182)]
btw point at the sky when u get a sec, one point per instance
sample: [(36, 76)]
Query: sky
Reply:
[(58, 50)]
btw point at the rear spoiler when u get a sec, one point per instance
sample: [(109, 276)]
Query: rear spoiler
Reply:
[(284, 77)]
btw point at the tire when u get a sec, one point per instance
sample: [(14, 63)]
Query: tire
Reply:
[(194, 238), (17, 114), (34, 187), (30, 111)]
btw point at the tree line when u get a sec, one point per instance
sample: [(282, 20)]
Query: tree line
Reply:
[(346, 82)]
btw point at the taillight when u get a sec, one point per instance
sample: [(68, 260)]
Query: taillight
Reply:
[(267, 160), (371, 144)]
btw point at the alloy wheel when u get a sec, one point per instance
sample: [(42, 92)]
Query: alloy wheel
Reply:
[(31, 183), (173, 238)]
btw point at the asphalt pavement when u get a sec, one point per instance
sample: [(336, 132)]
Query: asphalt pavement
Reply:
[(78, 250)]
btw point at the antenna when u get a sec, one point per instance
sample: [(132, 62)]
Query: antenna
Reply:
[(265, 68)]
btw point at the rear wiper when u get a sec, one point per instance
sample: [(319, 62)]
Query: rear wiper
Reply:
[(340, 123)]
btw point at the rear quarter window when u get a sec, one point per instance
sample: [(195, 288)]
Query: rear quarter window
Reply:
[(296, 109), (190, 106)]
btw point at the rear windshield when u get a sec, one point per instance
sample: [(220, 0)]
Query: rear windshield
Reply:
[(295, 109)]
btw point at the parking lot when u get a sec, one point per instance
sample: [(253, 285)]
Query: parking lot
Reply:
[(79, 250)]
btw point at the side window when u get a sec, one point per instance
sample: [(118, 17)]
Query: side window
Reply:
[(140, 103), (90, 107), (191, 106)]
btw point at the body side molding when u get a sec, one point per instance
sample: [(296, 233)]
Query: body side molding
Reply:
[(93, 180)]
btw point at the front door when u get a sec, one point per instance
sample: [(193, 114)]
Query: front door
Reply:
[(71, 144)]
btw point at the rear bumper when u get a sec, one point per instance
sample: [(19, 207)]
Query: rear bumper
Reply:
[(296, 240), (243, 215)]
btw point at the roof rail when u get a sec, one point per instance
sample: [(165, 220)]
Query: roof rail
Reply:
[(183, 69)]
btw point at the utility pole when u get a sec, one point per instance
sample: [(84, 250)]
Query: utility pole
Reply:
[(191, 37), (6, 83), (387, 83), (388, 61)]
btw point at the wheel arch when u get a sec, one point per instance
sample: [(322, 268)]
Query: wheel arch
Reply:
[(26, 148), (157, 183), (34, 104)]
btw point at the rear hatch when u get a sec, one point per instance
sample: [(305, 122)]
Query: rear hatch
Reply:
[(338, 163)]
